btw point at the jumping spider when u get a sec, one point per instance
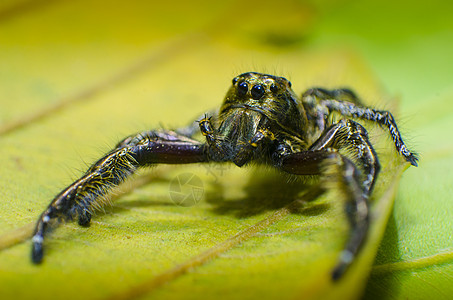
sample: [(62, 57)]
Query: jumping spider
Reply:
[(261, 120)]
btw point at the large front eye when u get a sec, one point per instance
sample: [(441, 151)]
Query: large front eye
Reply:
[(257, 91), (242, 88)]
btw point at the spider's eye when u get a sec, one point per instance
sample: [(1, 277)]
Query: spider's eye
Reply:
[(235, 80), (289, 83), (274, 88), (242, 88), (257, 91)]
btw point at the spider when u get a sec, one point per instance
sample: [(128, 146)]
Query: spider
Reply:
[(261, 120)]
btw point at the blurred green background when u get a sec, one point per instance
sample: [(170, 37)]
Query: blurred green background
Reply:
[(111, 57)]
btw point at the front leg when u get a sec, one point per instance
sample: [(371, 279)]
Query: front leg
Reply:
[(85, 195), (325, 162), (355, 177)]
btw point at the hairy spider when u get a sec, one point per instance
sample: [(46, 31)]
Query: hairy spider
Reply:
[(261, 120)]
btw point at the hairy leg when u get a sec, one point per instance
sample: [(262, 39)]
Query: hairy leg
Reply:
[(320, 103), (355, 177), (85, 195)]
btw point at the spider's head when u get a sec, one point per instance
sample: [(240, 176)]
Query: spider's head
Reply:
[(259, 91), (255, 102), (264, 96)]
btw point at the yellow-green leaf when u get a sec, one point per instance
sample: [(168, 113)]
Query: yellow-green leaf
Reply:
[(76, 77), (412, 58)]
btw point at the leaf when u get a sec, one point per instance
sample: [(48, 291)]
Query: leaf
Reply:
[(415, 260), (92, 76), (411, 58)]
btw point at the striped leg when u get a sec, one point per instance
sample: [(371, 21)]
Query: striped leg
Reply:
[(85, 195)]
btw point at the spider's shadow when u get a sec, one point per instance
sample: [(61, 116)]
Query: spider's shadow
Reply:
[(263, 193)]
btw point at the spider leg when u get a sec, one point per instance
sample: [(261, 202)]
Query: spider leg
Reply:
[(347, 104), (85, 195), (357, 177), (342, 94), (262, 136), (193, 128), (352, 137)]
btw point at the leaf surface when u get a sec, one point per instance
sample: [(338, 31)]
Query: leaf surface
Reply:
[(76, 80)]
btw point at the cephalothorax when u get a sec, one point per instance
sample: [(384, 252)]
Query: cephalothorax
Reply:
[(260, 120)]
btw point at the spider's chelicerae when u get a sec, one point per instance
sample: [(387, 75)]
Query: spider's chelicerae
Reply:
[(260, 120)]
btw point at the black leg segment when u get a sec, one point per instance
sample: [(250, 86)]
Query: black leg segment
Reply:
[(85, 195), (355, 177)]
